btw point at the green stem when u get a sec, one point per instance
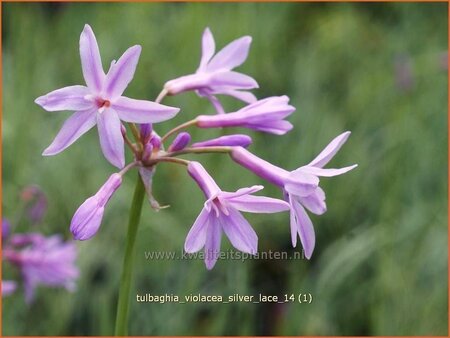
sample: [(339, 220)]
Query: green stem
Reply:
[(127, 268)]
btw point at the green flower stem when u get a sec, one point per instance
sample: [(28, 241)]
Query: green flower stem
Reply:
[(127, 268)]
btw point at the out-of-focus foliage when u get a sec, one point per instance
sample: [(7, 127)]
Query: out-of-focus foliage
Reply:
[(379, 70)]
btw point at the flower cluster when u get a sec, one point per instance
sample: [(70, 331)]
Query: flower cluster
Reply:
[(101, 102), (41, 260)]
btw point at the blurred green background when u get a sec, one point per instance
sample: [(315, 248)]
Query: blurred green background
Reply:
[(379, 70)]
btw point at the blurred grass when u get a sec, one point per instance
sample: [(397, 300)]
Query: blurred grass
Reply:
[(380, 265)]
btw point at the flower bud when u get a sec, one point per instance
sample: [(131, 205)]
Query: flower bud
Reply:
[(146, 132), (87, 219), (180, 142), (228, 140)]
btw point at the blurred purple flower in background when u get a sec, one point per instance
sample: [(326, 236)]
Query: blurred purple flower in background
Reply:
[(36, 203), (404, 77), (221, 213), (42, 260), (215, 76), (101, 102), (8, 287)]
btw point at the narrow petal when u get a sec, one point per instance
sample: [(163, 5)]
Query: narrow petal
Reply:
[(293, 224), (315, 202), (239, 231), (111, 139), (67, 98), (236, 140), (241, 192), (258, 204), (240, 95), (122, 72), (300, 183), (196, 238), (232, 79), (141, 111), (75, 126), (212, 242), (90, 60), (208, 48), (232, 55), (272, 127), (330, 150), (305, 229), (329, 172)]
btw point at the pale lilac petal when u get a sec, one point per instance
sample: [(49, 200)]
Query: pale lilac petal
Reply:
[(241, 192), (258, 204), (67, 98), (239, 231), (122, 72), (111, 139), (216, 103), (240, 95), (330, 150), (293, 223), (271, 127), (141, 111), (196, 237), (212, 242), (327, 172), (315, 202), (74, 127), (232, 55), (208, 48), (232, 79), (300, 183), (305, 229), (90, 60)]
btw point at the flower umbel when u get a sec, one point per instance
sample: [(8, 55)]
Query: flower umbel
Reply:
[(101, 102), (221, 213)]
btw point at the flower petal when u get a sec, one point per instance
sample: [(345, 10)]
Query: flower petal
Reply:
[(75, 126), (111, 139), (247, 97), (232, 79), (212, 243), (330, 150), (90, 60), (258, 204), (208, 48), (196, 238), (305, 228), (122, 72), (67, 98), (315, 202), (232, 55), (293, 224), (239, 231), (300, 183), (241, 192), (327, 172), (141, 111)]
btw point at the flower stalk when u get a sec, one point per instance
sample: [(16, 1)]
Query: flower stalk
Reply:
[(123, 305)]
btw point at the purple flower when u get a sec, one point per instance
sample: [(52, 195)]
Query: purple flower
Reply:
[(45, 260), (87, 219), (101, 102), (221, 213), (237, 140), (6, 228), (300, 187), (8, 287), (215, 75), (37, 203), (265, 115), (180, 142)]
